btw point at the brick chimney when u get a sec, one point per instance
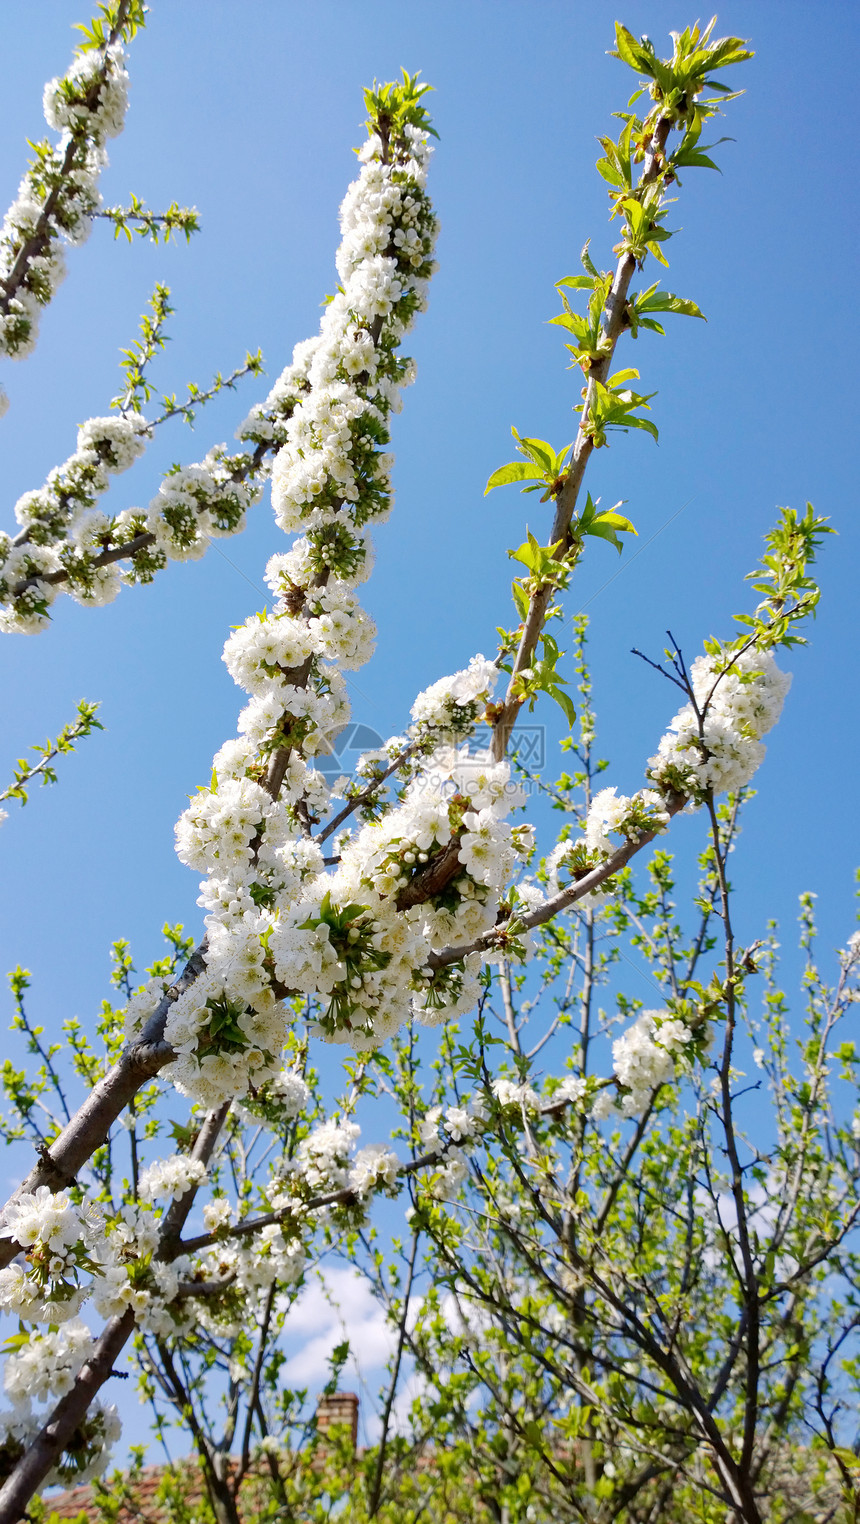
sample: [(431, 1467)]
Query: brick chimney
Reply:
[(341, 1409)]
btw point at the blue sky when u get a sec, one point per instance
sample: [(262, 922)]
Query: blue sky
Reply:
[(249, 111)]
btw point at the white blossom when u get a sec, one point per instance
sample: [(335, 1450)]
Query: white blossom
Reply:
[(170, 1178), (375, 1167)]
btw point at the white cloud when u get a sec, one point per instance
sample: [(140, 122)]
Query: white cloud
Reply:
[(337, 1304)]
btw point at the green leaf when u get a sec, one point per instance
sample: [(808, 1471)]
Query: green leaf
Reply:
[(609, 173), (693, 160), (617, 521), (521, 599), (655, 300), (621, 376), (634, 422), (514, 471), (629, 50), (848, 1457), (565, 703), (608, 526), (538, 449), (578, 283), (573, 323)]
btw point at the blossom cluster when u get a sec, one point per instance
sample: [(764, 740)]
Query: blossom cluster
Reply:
[(132, 1275), (62, 1242), (68, 544), (713, 743), (73, 1252), (59, 193), (62, 529), (454, 1124), (429, 873), (129, 1265), (170, 1178), (40, 1368), (453, 704), (62, 1248), (323, 1157), (47, 1363), (657, 1048), (653, 1050), (331, 473), (326, 1162), (452, 1131), (70, 1254), (610, 814), (87, 1456), (739, 698)]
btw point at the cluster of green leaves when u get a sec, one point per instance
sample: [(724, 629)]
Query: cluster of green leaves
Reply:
[(551, 566), (591, 345), (643, 306), (677, 83), (159, 226), (545, 568), (605, 524), (26, 771), (676, 88), (542, 466), (398, 104), (116, 18), (140, 353), (789, 594), (609, 403), (543, 676), (614, 406)]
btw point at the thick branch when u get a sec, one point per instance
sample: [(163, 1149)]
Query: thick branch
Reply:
[(45, 1450), (89, 1127)]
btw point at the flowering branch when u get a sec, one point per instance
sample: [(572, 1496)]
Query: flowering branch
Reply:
[(587, 884), (59, 195), (348, 1195)]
